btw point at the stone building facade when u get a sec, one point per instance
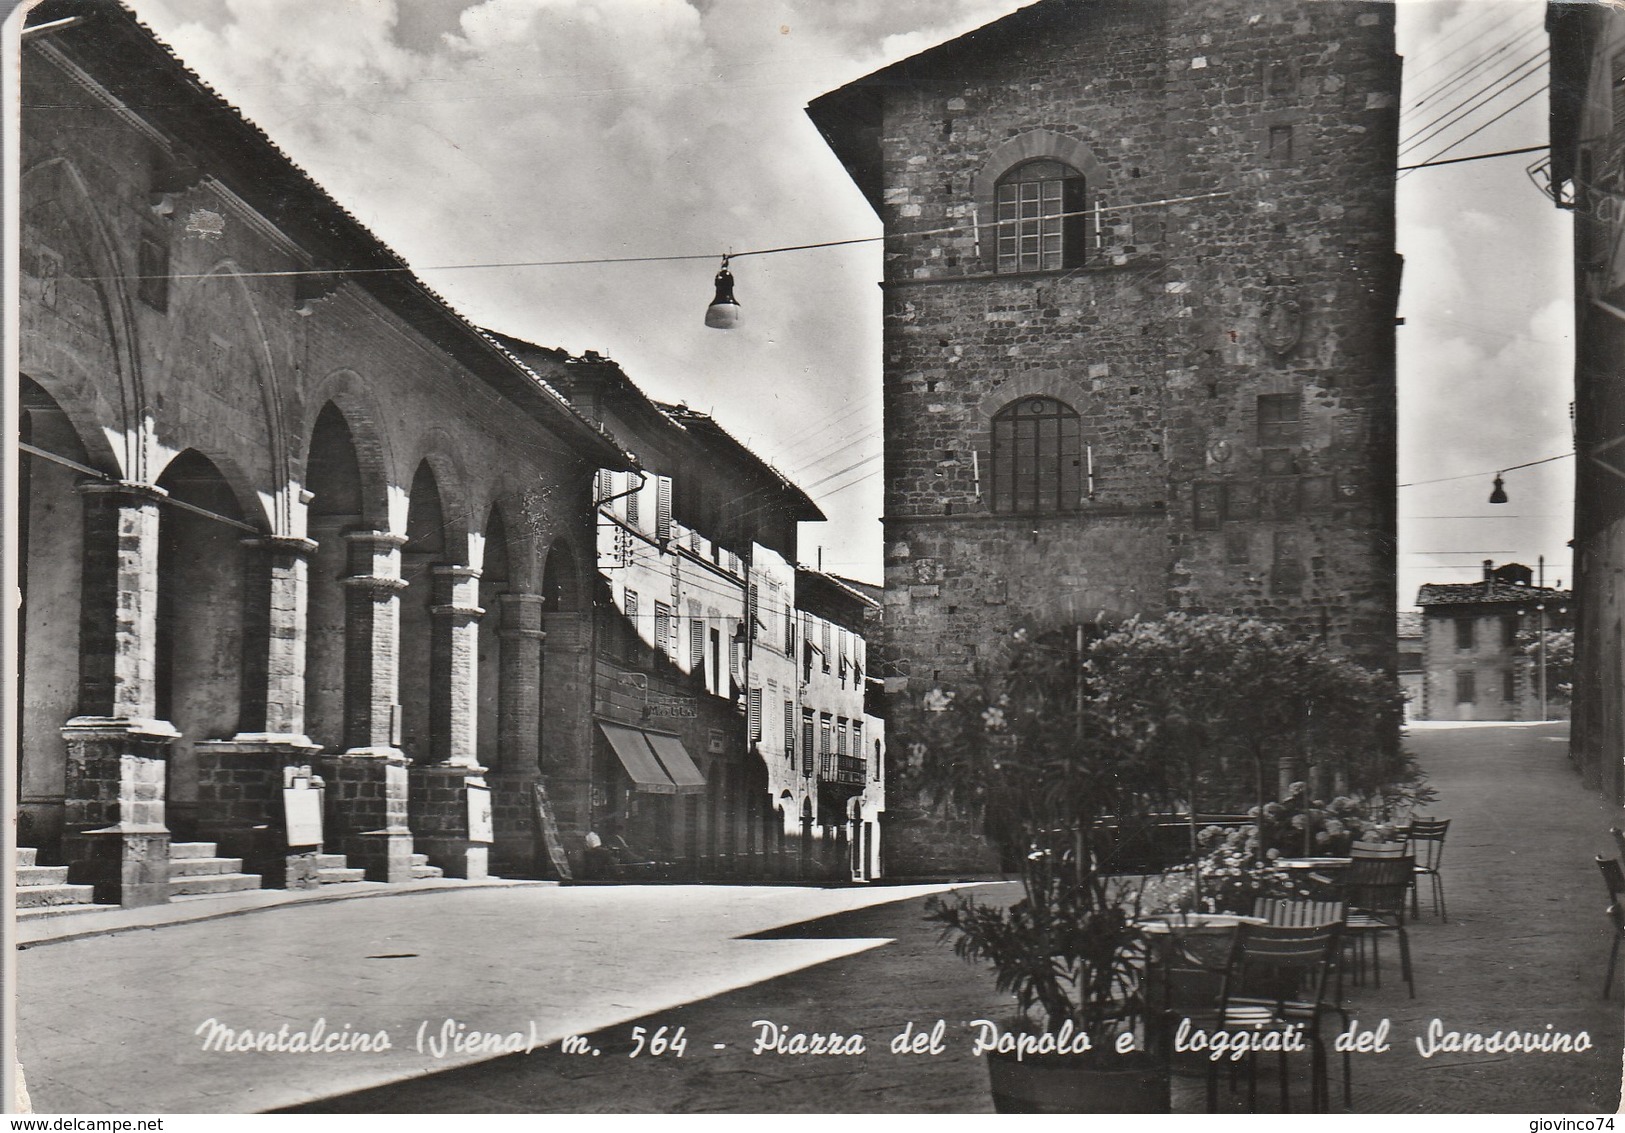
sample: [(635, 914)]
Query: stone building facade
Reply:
[(838, 786), (279, 519), (1587, 175), (1477, 659), (694, 654), (1140, 290)]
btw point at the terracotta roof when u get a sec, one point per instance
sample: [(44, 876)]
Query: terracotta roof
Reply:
[(1483, 593), (705, 428)]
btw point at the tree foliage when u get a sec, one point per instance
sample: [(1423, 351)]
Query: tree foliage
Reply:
[(1046, 744), (1223, 699)]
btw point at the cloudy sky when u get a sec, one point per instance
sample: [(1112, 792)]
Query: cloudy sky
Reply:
[(484, 132)]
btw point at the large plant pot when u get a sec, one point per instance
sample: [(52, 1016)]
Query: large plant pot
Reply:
[(1079, 1083)]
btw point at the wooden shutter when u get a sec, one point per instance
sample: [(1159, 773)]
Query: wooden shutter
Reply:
[(663, 508)]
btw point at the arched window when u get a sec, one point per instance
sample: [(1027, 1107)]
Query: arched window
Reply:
[(1042, 217), (1037, 457)]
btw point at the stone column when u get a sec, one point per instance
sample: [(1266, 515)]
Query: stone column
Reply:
[(240, 780), (567, 725), (366, 807), (519, 721), (114, 833), (450, 801)]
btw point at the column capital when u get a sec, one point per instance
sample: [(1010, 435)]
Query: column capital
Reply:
[(454, 572), (282, 544), (376, 538), (454, 611), (146, 493), (374, 583)]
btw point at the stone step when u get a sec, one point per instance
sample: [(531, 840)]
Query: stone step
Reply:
[(191, 850), (39, 896), (421, 871), (339, 875), (41, 911), (420, 859), (203, 867), (26, 855), (331, 861), (213, 883), (31, 874)]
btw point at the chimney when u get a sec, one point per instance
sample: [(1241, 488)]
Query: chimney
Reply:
[(1489, 578)]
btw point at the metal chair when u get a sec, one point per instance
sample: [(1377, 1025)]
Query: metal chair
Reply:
[(1426, 845), (1377, 850), (1290, 913), (1376, 889), (1275, 981), (1614, 878)]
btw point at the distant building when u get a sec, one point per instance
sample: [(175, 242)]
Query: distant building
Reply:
[(1411, 668), (1587, 175), (840, 792), (1478, 642), (1140, 287), (686, 656)]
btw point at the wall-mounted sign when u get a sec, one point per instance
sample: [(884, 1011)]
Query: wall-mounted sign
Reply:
[(479, 815)]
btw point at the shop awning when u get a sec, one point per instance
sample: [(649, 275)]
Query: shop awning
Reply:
[(633, 750), (677, 762)]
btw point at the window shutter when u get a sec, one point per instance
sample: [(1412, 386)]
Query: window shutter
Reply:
[(806, 741), (751, 613), (755, 714), (632, 500), (663, 626), (603, 487), (789, 729), (696, 643), (663, 508)]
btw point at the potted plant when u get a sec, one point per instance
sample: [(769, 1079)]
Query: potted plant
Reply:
[(1025, 749)]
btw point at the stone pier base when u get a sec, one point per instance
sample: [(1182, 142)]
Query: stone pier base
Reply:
[(365, 808), (114, 834), (240, 783), (447, 800)]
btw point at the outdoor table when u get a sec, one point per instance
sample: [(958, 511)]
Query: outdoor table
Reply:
[(1313, 863), (1201, 924), (1185, 962)]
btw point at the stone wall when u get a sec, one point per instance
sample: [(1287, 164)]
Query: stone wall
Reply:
[(1279, 278)]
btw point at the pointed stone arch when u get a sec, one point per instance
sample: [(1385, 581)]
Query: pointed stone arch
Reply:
[(349, 396), (216, 342), (68, 243)]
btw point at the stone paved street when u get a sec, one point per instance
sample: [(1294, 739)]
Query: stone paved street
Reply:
[(1525, 946)]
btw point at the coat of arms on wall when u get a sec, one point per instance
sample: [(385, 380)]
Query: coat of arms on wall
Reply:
[(1283, 316)]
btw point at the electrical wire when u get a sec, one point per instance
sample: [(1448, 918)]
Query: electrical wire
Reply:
[(1465, 72), (1478, 100), (1480, 129), (730, 255), (1474, 157), (1491, 472), (1489, 22)]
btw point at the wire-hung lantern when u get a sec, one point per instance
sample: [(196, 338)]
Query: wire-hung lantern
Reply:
[(723, 313)]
